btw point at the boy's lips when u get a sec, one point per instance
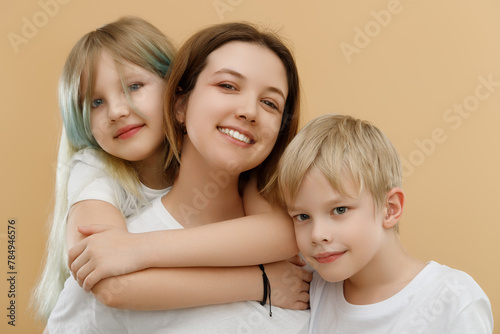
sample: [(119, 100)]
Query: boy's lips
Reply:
[(128, 131), (328, 257)]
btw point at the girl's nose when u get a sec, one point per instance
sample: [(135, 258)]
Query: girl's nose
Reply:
[(118, 108)]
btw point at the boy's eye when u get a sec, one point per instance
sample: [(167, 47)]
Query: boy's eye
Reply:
[(340, 210), (134, 87), (301, 217), (96, 103)]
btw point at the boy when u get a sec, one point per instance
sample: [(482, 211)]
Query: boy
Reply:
[(341, 183)]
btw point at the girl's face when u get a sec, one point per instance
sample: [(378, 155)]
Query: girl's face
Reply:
[(233, 115), (117, 128)]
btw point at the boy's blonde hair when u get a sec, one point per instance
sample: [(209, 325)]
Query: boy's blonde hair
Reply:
[(341, 146)]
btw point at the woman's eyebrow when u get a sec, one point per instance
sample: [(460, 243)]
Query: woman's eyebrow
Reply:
[(232, 72), (241, 76)]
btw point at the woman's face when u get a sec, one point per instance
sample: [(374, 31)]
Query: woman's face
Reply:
[(233, 115)]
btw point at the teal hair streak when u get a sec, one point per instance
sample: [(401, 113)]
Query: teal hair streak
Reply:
[(157, 59), (76, 121)]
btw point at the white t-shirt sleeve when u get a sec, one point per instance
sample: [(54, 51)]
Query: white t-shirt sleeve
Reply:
[(475, 318), (88, 181)]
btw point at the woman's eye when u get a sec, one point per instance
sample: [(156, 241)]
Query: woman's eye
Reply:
[(227, 86), (270, 104), (134, 87), (96, 103), (301, 217), (340, 210)]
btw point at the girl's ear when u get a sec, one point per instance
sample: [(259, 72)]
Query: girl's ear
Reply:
[(394, 207)]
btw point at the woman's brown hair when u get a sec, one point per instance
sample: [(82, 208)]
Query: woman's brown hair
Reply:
[(191, 59)]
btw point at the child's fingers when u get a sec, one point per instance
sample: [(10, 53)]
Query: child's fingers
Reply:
[(91, 280), (86, 273), (82, 273), (75, 252)]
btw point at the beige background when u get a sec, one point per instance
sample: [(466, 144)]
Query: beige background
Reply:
[(408, 73)]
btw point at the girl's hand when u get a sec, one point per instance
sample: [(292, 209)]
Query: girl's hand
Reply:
[(289, 285), (106, 251)]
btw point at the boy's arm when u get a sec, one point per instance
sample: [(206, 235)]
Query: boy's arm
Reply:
[(169, 288)]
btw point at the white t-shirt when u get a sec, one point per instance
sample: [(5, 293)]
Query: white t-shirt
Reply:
[(88, 180), (79, 312), (75, 310), (438, 300), (240, 317)]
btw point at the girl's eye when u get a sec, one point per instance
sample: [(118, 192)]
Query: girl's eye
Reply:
[(227, 86), (270, 104), (96, 103), (340, 210), (134, 87), (301, 217)]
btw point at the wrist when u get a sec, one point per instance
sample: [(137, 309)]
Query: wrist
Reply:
[(266, 296), (147, 257), (251, 284)]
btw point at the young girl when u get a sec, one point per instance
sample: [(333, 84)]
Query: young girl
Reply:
[(94, 179), (101, 132)]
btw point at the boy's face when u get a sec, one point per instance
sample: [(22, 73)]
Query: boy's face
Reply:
[(338, 235)]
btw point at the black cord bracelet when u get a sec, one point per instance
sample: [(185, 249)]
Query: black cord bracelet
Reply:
[(267, 289)]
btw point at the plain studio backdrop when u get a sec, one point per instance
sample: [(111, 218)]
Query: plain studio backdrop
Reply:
[(426, 72)]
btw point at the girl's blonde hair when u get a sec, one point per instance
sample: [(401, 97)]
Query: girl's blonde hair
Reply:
[(340, 146), (129, 39)]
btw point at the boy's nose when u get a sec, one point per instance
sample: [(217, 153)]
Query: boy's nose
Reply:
[(321, 233)]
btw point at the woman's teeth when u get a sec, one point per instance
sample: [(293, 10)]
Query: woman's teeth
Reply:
[(235, 135)]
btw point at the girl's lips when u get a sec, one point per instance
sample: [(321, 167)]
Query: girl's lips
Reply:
[(328, 257), (128, 131)]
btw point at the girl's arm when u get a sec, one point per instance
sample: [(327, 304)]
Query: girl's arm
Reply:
[(186, 287), (264, 237), (96, 211), (250, 240)]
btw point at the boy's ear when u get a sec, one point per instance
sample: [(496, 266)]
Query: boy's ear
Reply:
[(394, 207)]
